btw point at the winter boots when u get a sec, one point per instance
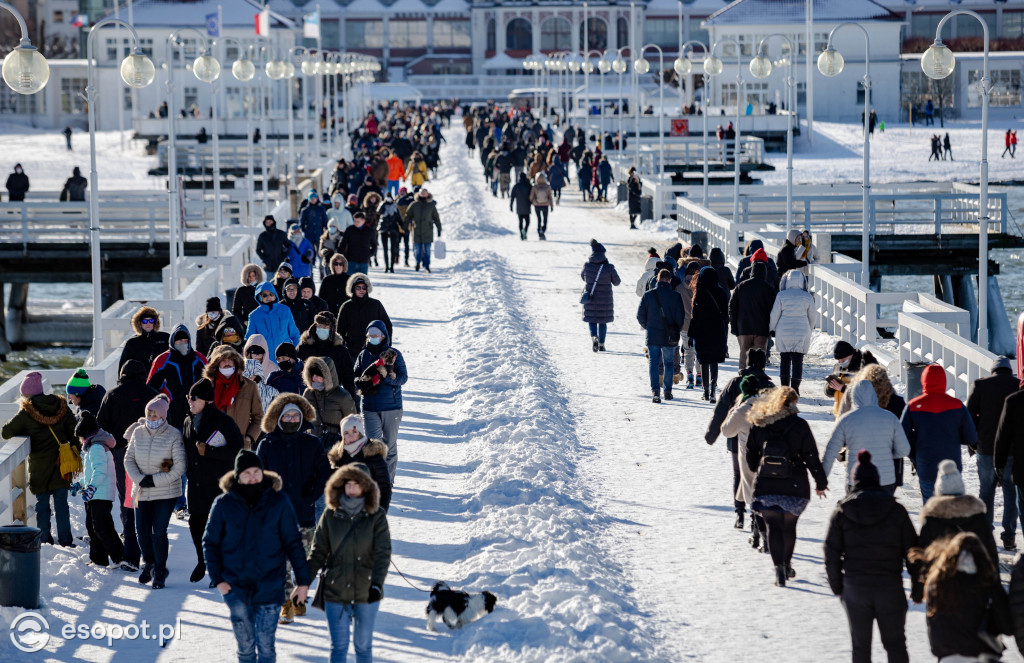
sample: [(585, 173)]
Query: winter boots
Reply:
[(668, 395), (739, 520), (780, 575), (689, 380), (657, 396), (1009, 543), (714, 390), (159, 578), (597, 344), (288, 613), (600, 347), (147, 574), (790, 573), (198, 573)]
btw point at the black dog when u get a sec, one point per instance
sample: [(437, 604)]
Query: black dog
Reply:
[(455, 608)]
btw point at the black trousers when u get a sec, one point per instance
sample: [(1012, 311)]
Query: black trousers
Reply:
[(542, 218), (781, 534), (104, 543), (740, 507), (405, 242), (885, 604), (524, 222), (200, 501), (390, 241), (791, 369)]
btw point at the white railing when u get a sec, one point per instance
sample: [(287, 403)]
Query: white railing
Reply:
[(921, 340)]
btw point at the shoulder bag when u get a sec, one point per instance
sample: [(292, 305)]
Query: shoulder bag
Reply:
[(585, 297)]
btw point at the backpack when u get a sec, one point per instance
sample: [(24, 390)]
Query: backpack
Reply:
[(775, 461)]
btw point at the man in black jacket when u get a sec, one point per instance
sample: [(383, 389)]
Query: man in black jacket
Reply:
[(750, 311), (359, 311), (357, 245), (1009, 442), (148, 343), (866, 549), (122, 406), (272, 246), (985, 404), (17, 184), (661, 313)]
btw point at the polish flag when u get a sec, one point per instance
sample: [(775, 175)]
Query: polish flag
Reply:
[(263, 23)]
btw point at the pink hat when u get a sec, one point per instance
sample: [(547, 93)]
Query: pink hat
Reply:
[(160, 405), (32, 385)]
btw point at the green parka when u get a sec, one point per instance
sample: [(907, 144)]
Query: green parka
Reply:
[(422, 217), (44, 419)]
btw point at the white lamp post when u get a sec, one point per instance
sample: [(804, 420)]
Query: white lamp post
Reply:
[(683, 66), (761, 67), (713, 67), (619, 67), (207, 69), (244, 70), (603, 67), (642, 66), (938, 62), (137, 71), (830, 63), (24, 69)]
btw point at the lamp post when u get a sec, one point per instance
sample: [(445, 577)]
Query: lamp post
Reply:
[(207, 69), (308, 68), (938, 62), (713, 67), (244, 70), (761, 67), (830, 63), (137, 71), (641, 67), (273, 70), (587, 67), (289, 81), (574, 64), (25, 69), (619, 67), (683, 66), (603, 67)]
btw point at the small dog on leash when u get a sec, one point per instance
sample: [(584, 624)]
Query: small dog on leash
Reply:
[(456, 609)]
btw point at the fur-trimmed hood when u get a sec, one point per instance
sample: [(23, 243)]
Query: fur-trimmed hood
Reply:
[(252, 267), (947, 507), (337, 259), (358, 278), (222, 352), (46, 409), (277, 407), (371, 448), (309, 336), (145, 312), (228, 481), (335, 487), (329, 373), (762, 419)]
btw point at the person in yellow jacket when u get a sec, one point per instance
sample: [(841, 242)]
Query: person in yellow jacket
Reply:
[(417, 172)]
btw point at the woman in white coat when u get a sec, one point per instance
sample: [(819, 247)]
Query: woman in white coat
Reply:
[(736, 425), (792, 321), (154, 461)]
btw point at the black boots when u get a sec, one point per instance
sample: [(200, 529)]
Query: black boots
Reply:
[(739, 520), (790, 573), (780, 575), (668, 395), (657, 396), (597, 344), (198, 573), (147, 574), (714, 388)]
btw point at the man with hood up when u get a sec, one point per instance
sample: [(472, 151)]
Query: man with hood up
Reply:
[(175, 371), (423, 218), (301, 255), (748, 257), (339, 213), (359, 311), (244, 301), (272, 320), (322, 340), (17, 184), (313, 220), (148, 343), (272, 246), (717, 259), (380, 386)]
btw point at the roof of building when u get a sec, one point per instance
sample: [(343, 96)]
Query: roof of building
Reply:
[(775, 12), (192, 14)]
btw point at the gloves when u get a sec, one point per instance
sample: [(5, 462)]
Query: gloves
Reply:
[(147, 481), (88, 492), (74, 488), (307, 259), (709, 438), (375, 594)]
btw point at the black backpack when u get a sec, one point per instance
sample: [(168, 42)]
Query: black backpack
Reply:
[(775, 460)]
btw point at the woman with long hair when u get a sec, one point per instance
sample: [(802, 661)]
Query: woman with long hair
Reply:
[(709, 327)]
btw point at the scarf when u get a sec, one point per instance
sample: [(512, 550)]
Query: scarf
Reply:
[(352, 505), (225, 390), (356, 446)]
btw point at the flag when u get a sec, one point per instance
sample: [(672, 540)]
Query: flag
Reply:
[(263, 23), (80, 21), (311, 25), (213, 25)]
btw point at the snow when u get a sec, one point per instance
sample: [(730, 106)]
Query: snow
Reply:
[(531, 467)]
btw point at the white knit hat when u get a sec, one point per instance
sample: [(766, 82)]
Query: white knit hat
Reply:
[(949, 481)]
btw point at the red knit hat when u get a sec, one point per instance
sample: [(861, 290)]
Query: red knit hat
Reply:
[(759, 256)]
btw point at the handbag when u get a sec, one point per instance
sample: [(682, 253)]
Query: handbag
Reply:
[(585, 297), (69, 459)]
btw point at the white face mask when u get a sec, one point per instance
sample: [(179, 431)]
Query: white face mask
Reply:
[(227, 372), (213, 315), (181, 347), (153, 425)]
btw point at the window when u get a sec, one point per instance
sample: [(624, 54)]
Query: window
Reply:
[(860, 95), (71, 100), (22, 104), (234, 105), (622, 30), (364, 34), (597, 34), (1005, 88), (58, 17), (231, 52), (451, 34), (451, 68), (492, 36), (188, 46), (555, 34), (191, 98), (662, 31), (1013, 25), (700, 35), (519, 35), (923, 25), (407, 34), (968, 26)]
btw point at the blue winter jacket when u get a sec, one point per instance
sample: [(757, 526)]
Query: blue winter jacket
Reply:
[(937, 425), (650, 316), (247, 548), (389, 394), (557, 176), (302, 463), (301, 259), (289, 382), (313, 222), (98, 466), (276, 322)]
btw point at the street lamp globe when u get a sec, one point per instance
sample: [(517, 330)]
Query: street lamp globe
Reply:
[(308, 67), (831, 62), (641, 66), (275, 70), (206, 68), (619, 65), (574, 64), (604, 66), (937, 62), (137, 70), (682, 66), (25, 70), (243, 69), (760, 67), (587, 66), (289, 70), (713, 66)]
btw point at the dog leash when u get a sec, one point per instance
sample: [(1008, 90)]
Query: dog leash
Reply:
[(406, 579)]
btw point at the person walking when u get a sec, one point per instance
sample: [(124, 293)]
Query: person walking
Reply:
[(947, 149), (868, 544), (662, 315), (244, 300), (598, 276), (17, 184), (542, 200), (272, 245), (848, 362), (787, 258), (301, 255), (356, 447), (175, 371), (359, 311), (331, 402), (251, 515), (155, 462), (519, 203), (792, 321), (98, 491), (737, 427), (634, 191), (352, 544), (358, 244), (782, 451), (750, 311), (423, 218), (313, 222), (557, 176), (379, 384), (985, 405), (67, 137), (148, 343), (47, 421), (708, 328), (271, 320), (333, 286), (322, 340), (1007, 142), (391, 229), (74, 187), (937, 426)]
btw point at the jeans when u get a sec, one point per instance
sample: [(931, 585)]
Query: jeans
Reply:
[(60, 508), (339, 615), (791, 369), (603, 191), (359, 267), (255, 627), (598, 329), (542, 218), (131, 541), (927, 489), (104, 543), (746, 342), (665, 355), (987, 478), (151, 519), (422, 254), (885, 604), (319, 506), (182, 502), (384, 426), (393, 187)]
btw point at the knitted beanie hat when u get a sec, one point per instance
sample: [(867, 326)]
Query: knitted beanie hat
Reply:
[(78, 383), (949, 481), (32, 385), (864, 472), (160, 405)]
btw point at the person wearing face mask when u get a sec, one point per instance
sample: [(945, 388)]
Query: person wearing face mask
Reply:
[(382, 399), (254, 371), (302, 463), (206, 325), (301, 309), (300, 252), (148, 342), (330, 400), (356, 447), (307, 291), (271, 320), (212, 440), (253, 515), (357, 244), (330, 241), (244, 301), (155, 462), (321, 340), (17, 184), (359, 311), (339, 213), (235, 394), (230, 332), (332, 287), (256, 348), (175, 371), (288, 379), (313, 219), (272, 246)]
